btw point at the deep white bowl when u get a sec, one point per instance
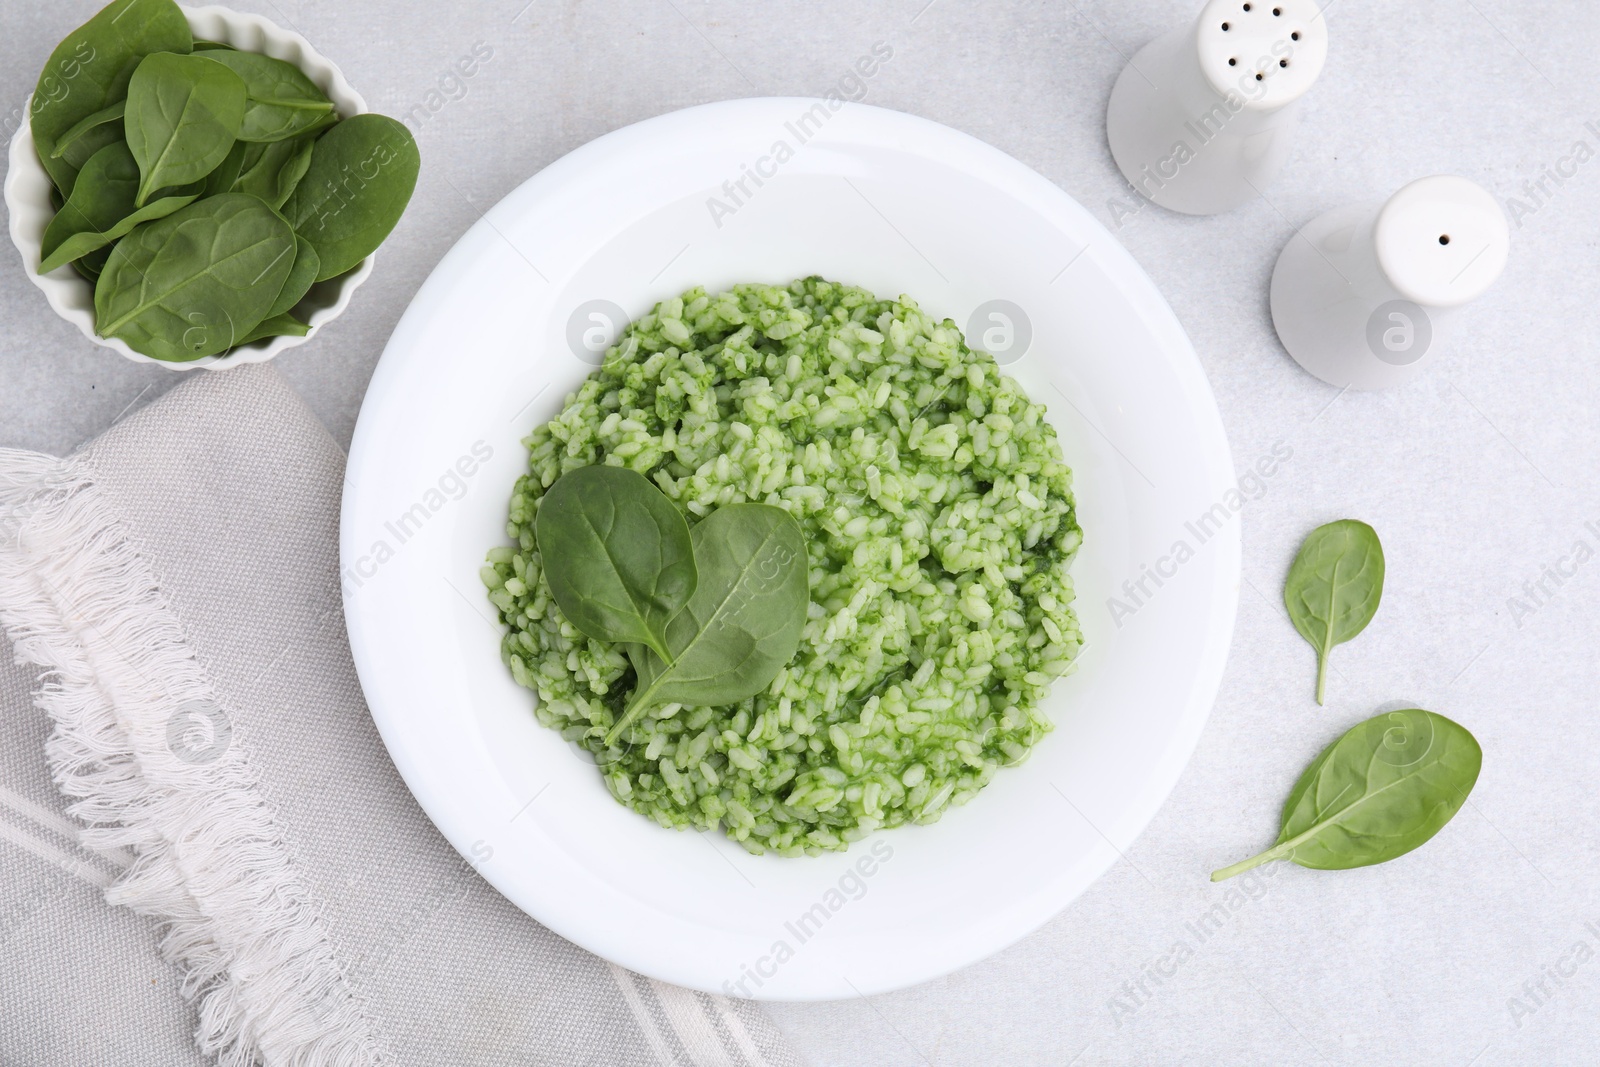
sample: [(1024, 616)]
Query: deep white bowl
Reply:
[(27, 194), (896, 204)]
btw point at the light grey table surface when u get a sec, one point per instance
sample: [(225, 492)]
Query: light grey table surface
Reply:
[(1479, 476)]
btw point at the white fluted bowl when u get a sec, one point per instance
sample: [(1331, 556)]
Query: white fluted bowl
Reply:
[(27, 195)]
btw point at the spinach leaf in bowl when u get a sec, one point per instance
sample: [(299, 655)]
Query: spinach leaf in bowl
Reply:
[(280, 101), (101, 208), (271, 170), (191, 284), (226, 174), (276, 326), (90, 70), (301, 276), (182, 118), (361, 177), (76, 155), (110, 116)]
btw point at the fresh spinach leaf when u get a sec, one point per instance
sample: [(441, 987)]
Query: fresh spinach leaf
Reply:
[(280, 101), (101, 208), (193, 283), (111, 116), (1381, 790), (274, 326), (1334, 587), (212, 46), (743, 622), (301, 275), (227, 173), (361, 177), (77, 154), (182, 119), (271, 170), (293, 170), (617, 555), (90, 68)]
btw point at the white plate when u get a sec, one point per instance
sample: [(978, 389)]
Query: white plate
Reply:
[(895, 204)]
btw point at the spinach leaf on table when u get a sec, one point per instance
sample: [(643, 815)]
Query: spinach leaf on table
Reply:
[(361, 177), (90, 69), (1334, 587), (744, 621), (280, 101), (193, 283), (617, 555), (101, 208), (182, 118), (1381, 790)]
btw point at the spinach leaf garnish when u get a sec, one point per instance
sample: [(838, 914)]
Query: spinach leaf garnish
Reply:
[(743, 622), (707, 615), (617, 555)]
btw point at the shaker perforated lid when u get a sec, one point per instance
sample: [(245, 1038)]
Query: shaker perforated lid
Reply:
[(1442, 241), (1266, 52)]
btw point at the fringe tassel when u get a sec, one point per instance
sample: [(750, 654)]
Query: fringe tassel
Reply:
[(121, 684)]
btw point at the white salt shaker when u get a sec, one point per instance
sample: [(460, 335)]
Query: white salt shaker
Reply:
[(1364, 296), (1200, 119)]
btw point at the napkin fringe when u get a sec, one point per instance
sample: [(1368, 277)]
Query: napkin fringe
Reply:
[(126, 695)]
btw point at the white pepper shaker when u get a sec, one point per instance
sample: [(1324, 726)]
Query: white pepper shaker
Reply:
[(1364, 296), (1200, 120)]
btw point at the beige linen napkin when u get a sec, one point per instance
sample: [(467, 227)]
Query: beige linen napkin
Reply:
[(228, 866)]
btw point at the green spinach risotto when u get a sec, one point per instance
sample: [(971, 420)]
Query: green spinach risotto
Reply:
[(939, 527)]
